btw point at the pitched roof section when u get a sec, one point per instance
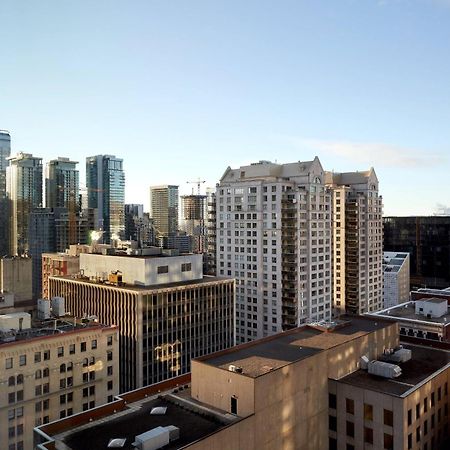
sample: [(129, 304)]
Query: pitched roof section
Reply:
[(352, 178)]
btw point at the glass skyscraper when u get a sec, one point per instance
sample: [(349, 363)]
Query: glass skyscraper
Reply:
[(5, 151), (62, 184), (24, 191), (105, 183)]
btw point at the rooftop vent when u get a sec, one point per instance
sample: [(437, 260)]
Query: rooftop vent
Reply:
[(158, 411), (384, 369), (233, 368), (116, 443)]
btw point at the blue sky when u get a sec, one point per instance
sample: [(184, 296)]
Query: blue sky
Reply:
[(182, 89)]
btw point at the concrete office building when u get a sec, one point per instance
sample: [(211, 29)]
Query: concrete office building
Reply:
[(164, 210), (16, 277), (105, 183), (357, 242), (427, 318), (167, 312), (396, 278), (24, 190), (5, 152), (139, 226), (273, 231), (49, 373), (302, 389)]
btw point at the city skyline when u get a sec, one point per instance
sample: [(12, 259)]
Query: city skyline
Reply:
[(181, 91)]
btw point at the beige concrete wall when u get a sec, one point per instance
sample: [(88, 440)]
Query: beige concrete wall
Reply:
[(39, 345), (221, 385), (345, 359), (16, 277)]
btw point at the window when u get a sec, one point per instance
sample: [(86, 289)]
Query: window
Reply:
[(110, 370), (186, 267), (350, 428), (332, 423), (349, 406), (234, 405), (332, 401), (94, 344), (409, 441), (368, 412), (110, 385), (409, 416), (83, 347), (19, 379), (22, 360), (109, 355), (46, 355), (388, 417), (332, 444), (37, 357), (163, 269), (109, 340), (60, 352), (368, 435), (12, 381), (38, 374), (418, 434), (417, 411), (8, 363), (72, 349)]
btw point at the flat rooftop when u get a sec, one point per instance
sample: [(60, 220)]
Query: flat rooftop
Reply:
[(136, 288), (259, 357), (138, 420), (47, 329), (425, 362), (408, 311)]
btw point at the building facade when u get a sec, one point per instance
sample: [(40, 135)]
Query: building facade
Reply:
[(357, 242), (5, 152), (164, 210), (16, 277), (62, 184), (167, 312), (105, 183), (427, 240), (46, 376), (193, 221), (396, 278), (24, 190), (273, 228)]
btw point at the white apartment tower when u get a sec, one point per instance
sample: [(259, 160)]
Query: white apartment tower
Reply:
[(357, 242), (274, 237)]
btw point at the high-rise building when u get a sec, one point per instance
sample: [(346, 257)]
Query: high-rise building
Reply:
[(5, 151), (357, 242), (105, 183), (193, 221), (164, 210), (62, 184), (41, 240), (167, 311), (427, 240), (395, 278), (51, 371), (211, 238), (24, 189), (274, 236)]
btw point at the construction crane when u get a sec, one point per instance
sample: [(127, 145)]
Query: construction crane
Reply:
[(198, 183)]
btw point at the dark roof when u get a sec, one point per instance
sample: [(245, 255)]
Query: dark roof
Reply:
[(264, 355), (192, 427), (424, 362)]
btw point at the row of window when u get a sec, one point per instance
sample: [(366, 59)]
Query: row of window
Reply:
[(45, 355)]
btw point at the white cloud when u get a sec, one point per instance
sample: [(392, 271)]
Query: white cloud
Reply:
[(373, 153)]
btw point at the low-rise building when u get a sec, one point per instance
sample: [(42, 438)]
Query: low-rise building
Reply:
[(310, 388), (52, 370), (16, 277), (428, 318)]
